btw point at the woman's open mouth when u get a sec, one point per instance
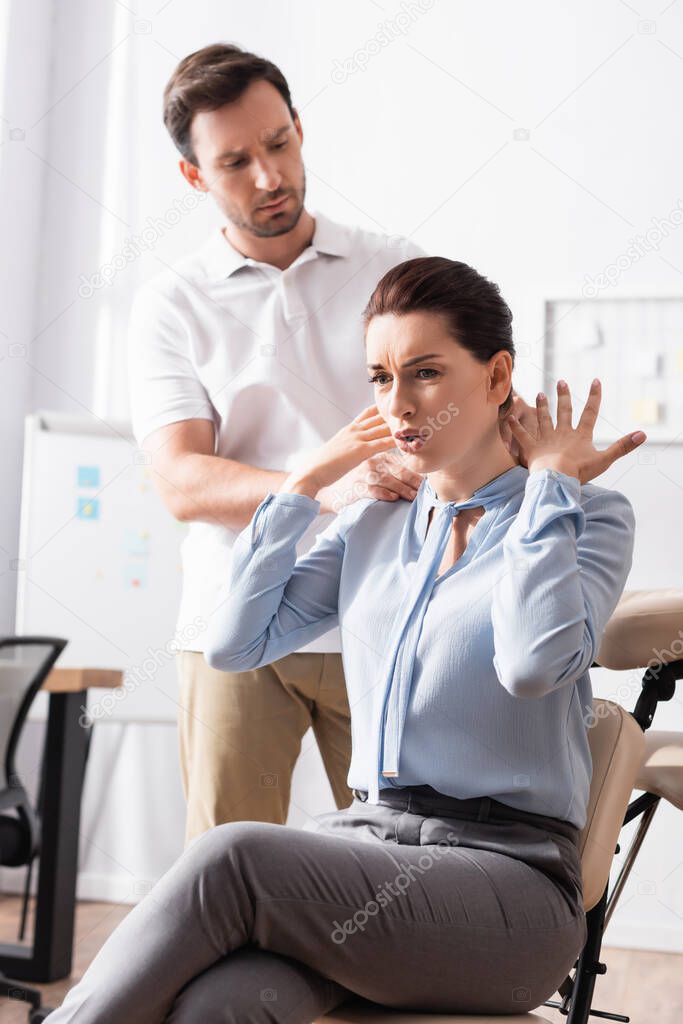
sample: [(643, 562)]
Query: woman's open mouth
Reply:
[(410, 443)]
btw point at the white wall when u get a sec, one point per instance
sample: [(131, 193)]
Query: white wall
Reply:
[(533, 140), (24, 96)]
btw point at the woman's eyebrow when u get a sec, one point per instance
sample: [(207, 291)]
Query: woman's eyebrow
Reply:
[(410, 362)]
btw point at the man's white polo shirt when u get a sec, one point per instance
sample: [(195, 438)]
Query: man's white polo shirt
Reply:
[(275, 358)]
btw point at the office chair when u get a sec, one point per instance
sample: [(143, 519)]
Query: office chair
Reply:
[(646, 629), (25, 662)]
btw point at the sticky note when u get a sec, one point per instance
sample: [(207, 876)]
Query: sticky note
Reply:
[(135, 575), (137, 542), (646, 410), (646, 363), (88, 476), (88, 508)]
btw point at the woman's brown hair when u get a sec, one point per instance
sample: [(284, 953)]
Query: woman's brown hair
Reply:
[(475, 312)]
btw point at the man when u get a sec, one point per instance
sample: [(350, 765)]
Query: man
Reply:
[(245, 356)]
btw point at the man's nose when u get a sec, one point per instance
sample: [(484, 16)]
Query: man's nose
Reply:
[(268, 177)]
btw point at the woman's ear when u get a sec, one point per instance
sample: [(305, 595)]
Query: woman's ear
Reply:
[(500, 376)]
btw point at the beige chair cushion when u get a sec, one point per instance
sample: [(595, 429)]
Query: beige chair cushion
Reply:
[(617, 746), (646, 627), (662, 771)]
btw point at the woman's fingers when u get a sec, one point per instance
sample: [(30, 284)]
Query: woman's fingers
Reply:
[(625, 445), (545, 422), (591, 408), (368, 415), (564, 405), (378, 430), (370, 421), (381, 443)]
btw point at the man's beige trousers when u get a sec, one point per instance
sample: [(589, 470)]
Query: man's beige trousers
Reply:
[(240, 735)]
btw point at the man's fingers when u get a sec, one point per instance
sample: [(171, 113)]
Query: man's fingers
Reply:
[(382, 493), (386, 483), (391, 464), (526, 414), (407, 476), (519, 431)]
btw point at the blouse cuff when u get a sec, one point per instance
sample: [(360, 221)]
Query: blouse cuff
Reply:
[(306, 509), (549, 495), (555, 474)]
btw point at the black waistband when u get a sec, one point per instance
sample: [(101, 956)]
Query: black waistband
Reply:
[(428, 801)]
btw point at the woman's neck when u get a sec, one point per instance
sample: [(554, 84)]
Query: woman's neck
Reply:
[(459, 480)]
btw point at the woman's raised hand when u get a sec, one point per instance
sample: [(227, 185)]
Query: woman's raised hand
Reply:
[(564, 447)]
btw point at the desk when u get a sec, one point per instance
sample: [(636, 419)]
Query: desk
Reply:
[(65, 753)]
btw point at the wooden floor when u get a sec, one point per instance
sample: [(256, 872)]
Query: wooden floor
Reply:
[(645, 986)]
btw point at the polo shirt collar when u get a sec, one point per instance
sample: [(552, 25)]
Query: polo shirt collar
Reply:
[(222, 259)]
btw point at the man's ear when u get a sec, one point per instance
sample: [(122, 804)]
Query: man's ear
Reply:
[(192, 175), (297, 124)]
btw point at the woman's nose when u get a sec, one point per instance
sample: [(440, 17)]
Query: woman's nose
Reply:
[(401, 404)]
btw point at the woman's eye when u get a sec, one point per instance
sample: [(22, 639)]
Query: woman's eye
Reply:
[(424, 369)]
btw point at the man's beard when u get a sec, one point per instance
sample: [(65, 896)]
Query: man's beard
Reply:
[(281, 223)]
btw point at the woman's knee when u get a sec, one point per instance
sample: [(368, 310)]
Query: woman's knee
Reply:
[(257, 986), (219, 842)]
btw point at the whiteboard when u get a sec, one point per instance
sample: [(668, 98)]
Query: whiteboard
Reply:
[(99, 561)]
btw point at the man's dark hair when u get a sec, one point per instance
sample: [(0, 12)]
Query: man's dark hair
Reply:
[(475, 313), (209, 78)]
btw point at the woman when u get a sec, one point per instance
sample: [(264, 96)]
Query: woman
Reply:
[(469, 619)]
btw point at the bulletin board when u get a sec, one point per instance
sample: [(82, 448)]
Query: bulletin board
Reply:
[(635, 347)]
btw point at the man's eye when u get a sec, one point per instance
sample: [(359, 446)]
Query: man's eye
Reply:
[(238, 163)]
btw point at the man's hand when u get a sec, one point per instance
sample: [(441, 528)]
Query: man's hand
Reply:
[(381, 476), (527, 416)]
